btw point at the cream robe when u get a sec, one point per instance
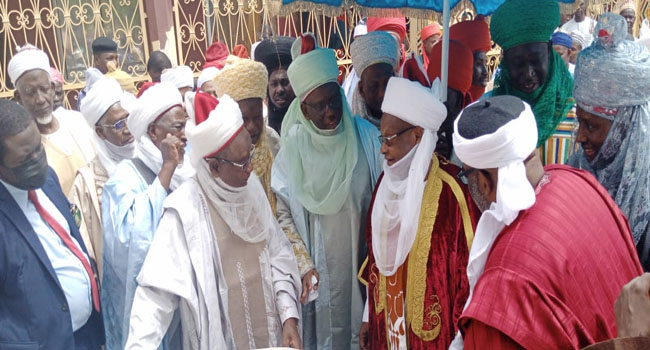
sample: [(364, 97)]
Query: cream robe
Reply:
[(183, 272), (86, 194)]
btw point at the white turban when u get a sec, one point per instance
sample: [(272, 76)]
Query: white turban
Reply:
[(27, 58), (153, 103), (206, 75), (104, 93), (180, 76), (579, 38), (413, 103), (217, 132), (505, 149), (396, 210)]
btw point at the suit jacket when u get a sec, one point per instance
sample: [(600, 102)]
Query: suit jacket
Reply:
[(34, 312)]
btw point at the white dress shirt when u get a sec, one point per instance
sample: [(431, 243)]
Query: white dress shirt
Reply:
[(68, 268)]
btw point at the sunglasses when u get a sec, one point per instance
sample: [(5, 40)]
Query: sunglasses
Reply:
[(119, 125)]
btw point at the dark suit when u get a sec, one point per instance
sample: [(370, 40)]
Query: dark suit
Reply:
[(33, 309)]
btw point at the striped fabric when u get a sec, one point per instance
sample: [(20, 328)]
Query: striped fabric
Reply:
[(561, 145)]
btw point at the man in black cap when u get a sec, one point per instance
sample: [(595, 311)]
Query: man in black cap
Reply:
[(275, 54), (104, 53)]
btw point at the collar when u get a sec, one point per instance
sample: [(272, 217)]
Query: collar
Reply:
[(20, 196)]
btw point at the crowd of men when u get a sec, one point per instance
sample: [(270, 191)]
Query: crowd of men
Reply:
[(263, 205)]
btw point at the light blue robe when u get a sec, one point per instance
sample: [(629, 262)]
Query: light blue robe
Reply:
[(335, 243), (131, 210)]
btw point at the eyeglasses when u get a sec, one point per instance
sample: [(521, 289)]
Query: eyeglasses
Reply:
[(386, 139), (463, 175), (119, 125), (334, 103), (243, 165)]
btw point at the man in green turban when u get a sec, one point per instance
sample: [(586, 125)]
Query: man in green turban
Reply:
[(531, 70), (326, 170)]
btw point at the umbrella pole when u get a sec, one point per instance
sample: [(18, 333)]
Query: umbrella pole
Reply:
[(444, 70)]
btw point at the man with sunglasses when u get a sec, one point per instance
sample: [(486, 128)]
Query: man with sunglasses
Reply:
[(421, 225), (551, 251), (323, 172), (133, 196), (66, 137), (219, 257), (104, 110)]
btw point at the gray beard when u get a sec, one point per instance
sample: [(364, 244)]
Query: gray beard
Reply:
[(480, 201), (44, 120)]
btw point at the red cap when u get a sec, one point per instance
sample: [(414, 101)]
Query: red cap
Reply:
[(474, 34), (216, 55), (395, 24), (430, 30), (461, 64), (203, 104), (240, 51)]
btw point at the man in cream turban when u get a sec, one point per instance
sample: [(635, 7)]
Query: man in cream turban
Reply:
[(421, 224), (540, 242), (105, 112), (374, 58), (133, 196), (245, 81), (324, 172), (219, 256), (181, 77), (65, 135)]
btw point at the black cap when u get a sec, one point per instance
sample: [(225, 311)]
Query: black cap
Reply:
[(487, 116), (104, 44), (274, 52)]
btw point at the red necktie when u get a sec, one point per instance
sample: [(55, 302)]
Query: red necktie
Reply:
[(67, 240)]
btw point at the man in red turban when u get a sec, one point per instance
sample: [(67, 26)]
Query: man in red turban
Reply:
[(475, 35), (458, 86), (430, 36)]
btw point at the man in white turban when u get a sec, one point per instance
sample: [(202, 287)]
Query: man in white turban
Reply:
[(105, 111), (65, 135), (133, 196), (219, 256), (245, 81), (181, 77), (421, 224), (204, 82), (325, 170), (540, 242)]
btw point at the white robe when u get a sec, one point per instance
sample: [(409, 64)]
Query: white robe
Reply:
[(183, 273)]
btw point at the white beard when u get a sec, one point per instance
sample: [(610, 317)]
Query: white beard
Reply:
[(44, 120)]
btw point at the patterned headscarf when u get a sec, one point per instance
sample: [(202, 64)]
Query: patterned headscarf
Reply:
[(612, 81)]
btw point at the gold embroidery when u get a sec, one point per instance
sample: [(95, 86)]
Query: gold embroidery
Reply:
[(262, 161), (416, 284), (360, 274), (462, 203)]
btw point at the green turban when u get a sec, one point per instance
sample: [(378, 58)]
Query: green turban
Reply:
[(518, 22)]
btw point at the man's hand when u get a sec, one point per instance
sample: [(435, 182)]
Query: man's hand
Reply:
[(363, 337), (172, 149), (290, 334), (307, 285), (632, 308)]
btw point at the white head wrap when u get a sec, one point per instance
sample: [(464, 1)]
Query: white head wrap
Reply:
[(245, 209), (360, 29), (206, 75), (154, 102), (396, 210), (579, 38), (373, 48), (505, 149), (218, 131), (180, 76), (104, 93), (27, 58)]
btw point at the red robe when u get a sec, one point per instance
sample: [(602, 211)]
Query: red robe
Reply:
[(553, 275), (442, 287)]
